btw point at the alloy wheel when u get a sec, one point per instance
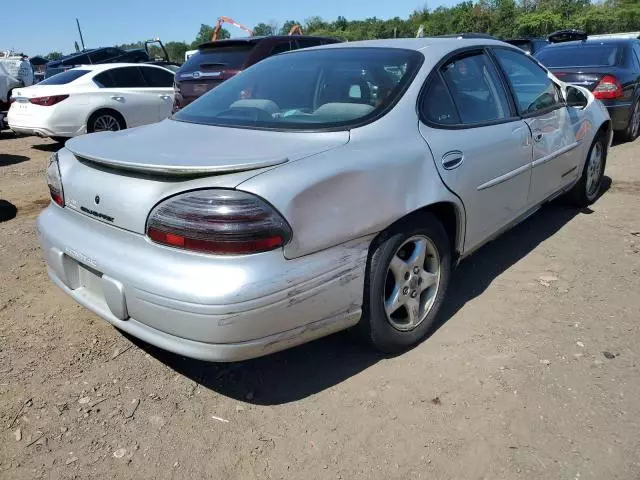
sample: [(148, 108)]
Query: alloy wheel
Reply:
[(412, 283), (106, 123), (594, 170), (635, 121)]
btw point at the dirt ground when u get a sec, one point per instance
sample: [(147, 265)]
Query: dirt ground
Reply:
[(534, 373)]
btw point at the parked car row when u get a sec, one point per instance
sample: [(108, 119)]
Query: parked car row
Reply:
[(113, 96), (608, 65), (321, 189), (93, 98)]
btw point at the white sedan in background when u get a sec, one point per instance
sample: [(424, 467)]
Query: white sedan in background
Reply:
[(93, 98)]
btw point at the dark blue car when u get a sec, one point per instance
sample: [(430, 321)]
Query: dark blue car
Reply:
[(609, 67)]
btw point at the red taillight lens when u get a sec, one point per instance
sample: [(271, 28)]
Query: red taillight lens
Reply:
[(224, 222), (608, 88), (48, 101), (54, 180)]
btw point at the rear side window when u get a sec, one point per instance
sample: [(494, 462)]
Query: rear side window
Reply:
[(232, 57), (157, 77), (583, 55), (64, 77), (437, 105), (532, 87), (636, 53), (476, 89), (125, 77)]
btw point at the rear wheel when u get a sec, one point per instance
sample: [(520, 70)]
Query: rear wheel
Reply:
[(586, 191), (407, 277), (633, 128), (105, 121)]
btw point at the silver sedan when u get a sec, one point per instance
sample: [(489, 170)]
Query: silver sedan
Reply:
[(318, 191)]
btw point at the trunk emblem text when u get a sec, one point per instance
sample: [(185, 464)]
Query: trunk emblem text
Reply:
[(97, 214)]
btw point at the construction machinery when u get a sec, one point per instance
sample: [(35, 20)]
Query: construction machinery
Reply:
[(296, 30), (223, 20)]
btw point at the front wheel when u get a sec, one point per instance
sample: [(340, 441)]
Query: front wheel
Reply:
[(407, 276), (586, 191)]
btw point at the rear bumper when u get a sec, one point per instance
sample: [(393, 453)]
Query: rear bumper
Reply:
[(29, 126), (619, 113), (210, 308)]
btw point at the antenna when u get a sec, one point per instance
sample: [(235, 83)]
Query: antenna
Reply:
[(80, 32)]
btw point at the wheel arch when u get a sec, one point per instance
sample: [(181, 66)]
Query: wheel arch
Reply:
[(106, 109), (450, 215)]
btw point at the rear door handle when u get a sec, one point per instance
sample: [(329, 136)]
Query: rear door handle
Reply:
[(453, 159), (538, 137), (165, 97)]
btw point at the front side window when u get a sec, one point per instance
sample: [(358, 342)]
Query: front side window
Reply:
[(309, 90), (124, 77), (532, 87), (476, 89)]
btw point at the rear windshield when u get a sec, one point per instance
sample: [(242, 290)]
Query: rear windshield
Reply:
[(232, 57), (64, 77), (310, 89), (525, 45), (584, 55)]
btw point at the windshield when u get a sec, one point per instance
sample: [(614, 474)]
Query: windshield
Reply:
[(584, 55), (309, 89), (231, 57), (64, 77)]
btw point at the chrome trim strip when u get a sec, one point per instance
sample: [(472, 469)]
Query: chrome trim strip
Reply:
[(557, 153), (505, 177)]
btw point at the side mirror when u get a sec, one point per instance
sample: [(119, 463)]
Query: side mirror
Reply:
[(575, 98)]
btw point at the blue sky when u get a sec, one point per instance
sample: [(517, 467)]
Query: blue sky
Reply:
[(41, 26)]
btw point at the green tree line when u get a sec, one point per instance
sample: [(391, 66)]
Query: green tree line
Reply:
[(501, 18)]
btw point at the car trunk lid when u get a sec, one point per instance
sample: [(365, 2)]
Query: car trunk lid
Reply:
[(587, 77), (118, 177)]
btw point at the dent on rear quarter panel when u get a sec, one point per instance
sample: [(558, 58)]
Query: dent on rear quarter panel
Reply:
[(352, 191)]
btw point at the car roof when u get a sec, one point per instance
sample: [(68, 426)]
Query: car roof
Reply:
[(108, 66), (249, 40), (592, 41), (439, 45)]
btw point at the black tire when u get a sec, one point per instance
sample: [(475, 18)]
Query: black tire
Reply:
[(94, 119), (633, 129), (375, 328), (580, 195)]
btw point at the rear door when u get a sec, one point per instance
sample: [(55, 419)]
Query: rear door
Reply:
[(160, 84), (481, 149), (125, 90), (539, 100)]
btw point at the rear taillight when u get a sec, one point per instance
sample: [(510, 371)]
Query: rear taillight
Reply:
[(608, 88), (54, 180), (48, 101), (224, 222)]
